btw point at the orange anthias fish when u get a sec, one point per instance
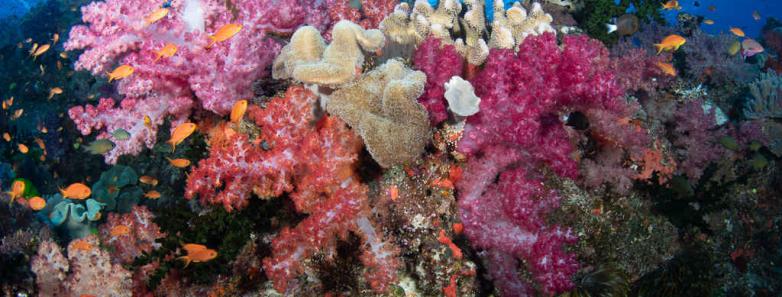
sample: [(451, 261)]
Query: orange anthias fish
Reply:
[(667, 68), (737, 31), (673, 4), (168, 51), (17, 114), (708, 22), (179, 163), (670, 43), (81, 245), (156, 16), (7, 136), (224, 33), (180, 133), (147, 121), (78, 191), (197, 253), (36, 203), (8, 103), (55, 38), (146, 179), (23, 148), (152, 194), (41, 49), (17, 189), (120, 72), (54, 91), (237, 112), (119, 230)]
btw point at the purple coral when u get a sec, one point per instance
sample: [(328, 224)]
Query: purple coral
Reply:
[(439, 62)]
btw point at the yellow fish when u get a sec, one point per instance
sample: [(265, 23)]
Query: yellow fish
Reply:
[(23, 148), (152, 194), (81, 245), (41, 49), (197, 253), (120, 72), (670, 43), (180, 133), (156, 16), (708, 22), (54, 91), (17, 189), (78, 191), (734, 48), (673, 4), (224, 33), (7, 136), (64, 55), (36, 203), (737, 31), (179, 163), (667, 68), (237, 112), (147, 122), (119, 230), (32, 49), (168, 51), (17, 114), (146, 179)]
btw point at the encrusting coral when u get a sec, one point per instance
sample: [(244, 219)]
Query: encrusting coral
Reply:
[(382, 108), (308, 59)]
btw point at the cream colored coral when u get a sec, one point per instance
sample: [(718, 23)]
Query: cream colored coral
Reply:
[(307, 59), (382, 108), (473, 47), (461, 97), (512, 26), (403, 27)]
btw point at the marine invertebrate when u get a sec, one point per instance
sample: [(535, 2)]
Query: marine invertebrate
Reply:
[(766, 100), (116, 189), (131, 234), (368, 15), (506, 217), (708, 54), (71, 216), (512, 26), (461, 97), (309, 60), (698, 142), (86, 270), (381, 107), (439, 62)]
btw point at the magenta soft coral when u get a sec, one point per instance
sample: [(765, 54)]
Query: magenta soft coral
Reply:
[(439, 62), (140, 238), (519, 129), (312, 160)]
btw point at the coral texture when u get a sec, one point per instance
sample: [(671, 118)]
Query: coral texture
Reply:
[(382, 108), (439, 62), (140, 238)]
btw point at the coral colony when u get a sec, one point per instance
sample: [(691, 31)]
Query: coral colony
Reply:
[(385, 148)]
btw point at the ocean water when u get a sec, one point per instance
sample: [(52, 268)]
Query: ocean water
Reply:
[(377, 148)]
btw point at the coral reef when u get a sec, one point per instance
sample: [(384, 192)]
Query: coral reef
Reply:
[(381, 107), (142, 232), (73, 217), (117, 189), (708, 54), (766, 100), (439, 62)]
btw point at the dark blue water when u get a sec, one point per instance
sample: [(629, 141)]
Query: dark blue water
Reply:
[(730, 13)]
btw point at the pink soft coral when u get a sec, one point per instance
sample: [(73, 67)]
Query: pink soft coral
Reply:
[(140, 238), (439, 62)]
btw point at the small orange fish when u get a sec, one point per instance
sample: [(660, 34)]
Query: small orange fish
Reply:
[(32, 49), (670, 43), (673, 4), (168, 51), (55, 38), (458, 228), (224, 33), (737, 31), (78, 191), (147, 122), (156, 16), (197, 253), (23, 148), (17, 189), (667, 68), (152, 194), (708, 22), (40, 143), (179, 163), (8, 103), (146, 179), (180, 133), (237, 112), (119, 230), (41, 49), (36, 203), (64, 55), (7, 136), (120, 72), (393, 191), (54, 91), (81, 245), (17, 114)]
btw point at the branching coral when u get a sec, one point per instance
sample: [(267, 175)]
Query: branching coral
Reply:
[(383, 110), (766, 100), (87, 270), (310, 159), (708, 54), (307, 58)]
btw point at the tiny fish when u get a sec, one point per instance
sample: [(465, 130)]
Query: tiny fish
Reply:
[(152, 194), (120, 72), (734, 48), (197, 253), (156, 16), (32, 49), (708, 22), (146, 179), (23, 148), (625, 25), (120, 134), (756, 15), (712, 8), (40, 143), (737, 31), (168, 51), (180, 133), (179, 163), (36, 203), (17, 114), (78, 191), (673, 4), (224, 33), (237, 112), (119, 230), (7, 136), (100, 146), (670, 43), (64, 55), (17, 189), (55, 38), (8, 103), (667, 68), (54, 91), (147, 122), (81, 245), (41, 49), (750, 47)]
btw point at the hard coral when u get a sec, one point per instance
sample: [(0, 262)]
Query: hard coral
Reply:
[(382, 108), (307, 58)]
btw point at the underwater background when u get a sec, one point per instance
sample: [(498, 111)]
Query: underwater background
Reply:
[(390, 148)]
